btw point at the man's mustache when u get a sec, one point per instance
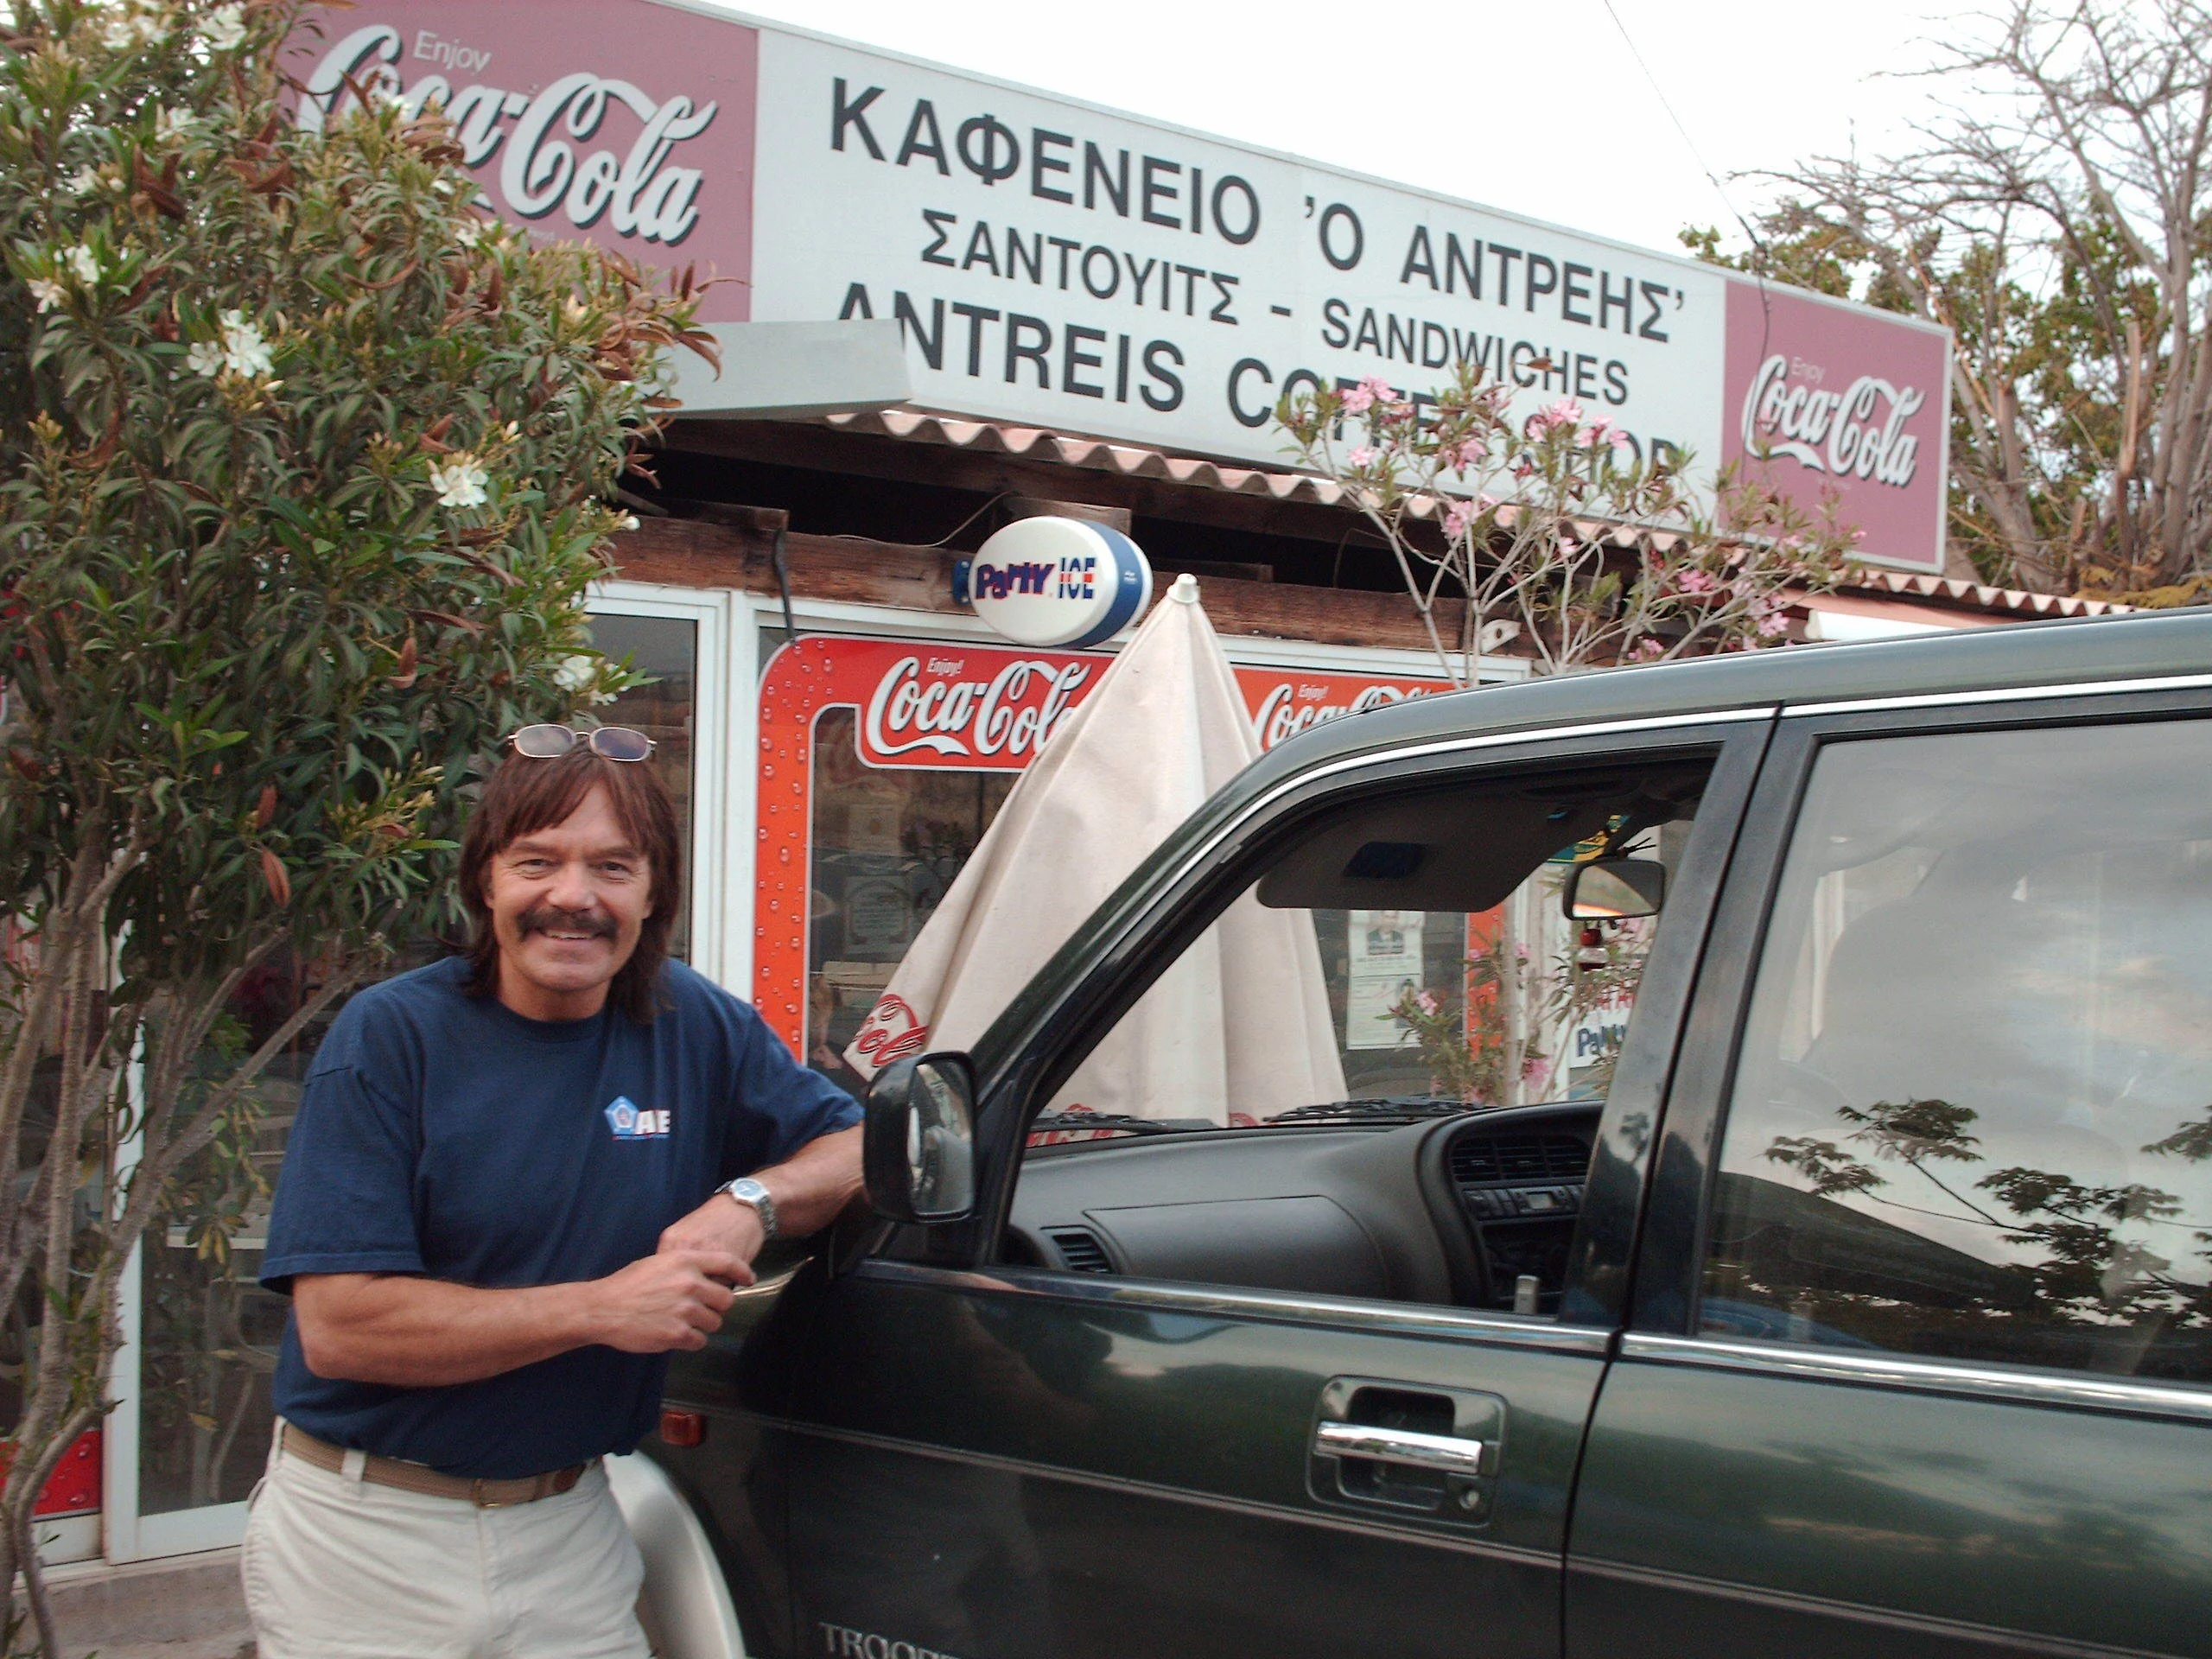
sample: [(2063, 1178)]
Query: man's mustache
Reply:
[(549, 918)]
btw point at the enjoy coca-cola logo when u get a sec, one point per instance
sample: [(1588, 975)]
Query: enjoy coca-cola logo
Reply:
[(1291, 707), (1858, 432), (548, 165), (919, 710)]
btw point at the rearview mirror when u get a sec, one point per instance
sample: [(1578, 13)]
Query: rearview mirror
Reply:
[(918, 1147), (1614, 889)]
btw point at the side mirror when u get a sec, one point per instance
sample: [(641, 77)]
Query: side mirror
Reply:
[(918, 1147), (1614, 889)]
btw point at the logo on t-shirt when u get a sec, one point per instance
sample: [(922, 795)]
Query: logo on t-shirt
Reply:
[(630, 1121)]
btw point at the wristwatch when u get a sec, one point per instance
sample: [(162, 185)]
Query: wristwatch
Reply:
[(745, 1189)]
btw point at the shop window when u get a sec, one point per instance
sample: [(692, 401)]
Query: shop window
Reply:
[(667, 648), (886, 845), (1971, 1119)]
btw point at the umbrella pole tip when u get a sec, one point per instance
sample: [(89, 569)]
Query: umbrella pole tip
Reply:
[(1186, 589)]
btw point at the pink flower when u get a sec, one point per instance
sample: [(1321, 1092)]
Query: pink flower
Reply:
[(1461, 518), (1361, 456), (1473, 450), (1647, 648), (1773, 625), (1427, 1001), (1696, 582), (1485, 503), (1371, 390), (1524, 467), (1565, 412)]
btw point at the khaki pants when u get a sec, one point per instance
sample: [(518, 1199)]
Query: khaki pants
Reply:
[(337, 1569)]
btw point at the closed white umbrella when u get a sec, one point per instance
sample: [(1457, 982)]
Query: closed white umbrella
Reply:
[(1239, 1027)]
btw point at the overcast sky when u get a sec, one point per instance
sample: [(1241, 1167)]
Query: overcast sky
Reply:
[(1540, 108)]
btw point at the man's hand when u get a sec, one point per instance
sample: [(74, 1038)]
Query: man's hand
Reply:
[(672, 1300), (721, 1224)]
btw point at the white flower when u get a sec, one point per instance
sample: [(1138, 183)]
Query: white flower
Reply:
[(226, 28), (627, 521), (84, 261), (121, 33), (245, 351), (172, 125), (206, 358), (468, 232), (574, 673), (460, 482), (85, 181), (47, 292)]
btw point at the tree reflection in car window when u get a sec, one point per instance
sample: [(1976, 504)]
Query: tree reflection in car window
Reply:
[(1974, 1117)]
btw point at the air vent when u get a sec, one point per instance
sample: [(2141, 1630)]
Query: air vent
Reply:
[(1080, 1250), (1478, 1160)]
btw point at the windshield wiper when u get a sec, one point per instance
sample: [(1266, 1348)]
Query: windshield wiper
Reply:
[(1390, 1108), (1118, 1123)]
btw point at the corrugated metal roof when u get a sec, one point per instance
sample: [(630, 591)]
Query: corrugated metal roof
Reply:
[(1131, 460)]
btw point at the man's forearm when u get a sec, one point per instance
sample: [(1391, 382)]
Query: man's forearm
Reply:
[(816, 1182), (421, 1333), (810, 1188)]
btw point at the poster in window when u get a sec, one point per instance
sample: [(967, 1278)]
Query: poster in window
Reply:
[(1385, 963)]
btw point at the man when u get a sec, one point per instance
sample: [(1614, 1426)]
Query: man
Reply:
[(502, 1206)]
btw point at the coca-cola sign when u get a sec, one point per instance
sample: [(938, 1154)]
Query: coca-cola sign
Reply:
[(979, 709), (952, 706), (1858, 432), (933, 710), (1827, 398), (640, 143)]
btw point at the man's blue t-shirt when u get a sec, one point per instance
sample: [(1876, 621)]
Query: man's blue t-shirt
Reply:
[(441, 1133)]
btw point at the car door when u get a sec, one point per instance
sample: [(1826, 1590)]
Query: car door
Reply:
[(1006, 1437), (1921, 1357)]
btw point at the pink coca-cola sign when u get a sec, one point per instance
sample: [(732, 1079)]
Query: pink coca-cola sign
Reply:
[(617, 122), (1820, 397)]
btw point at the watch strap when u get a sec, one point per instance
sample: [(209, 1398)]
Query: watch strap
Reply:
[(747, 1191)]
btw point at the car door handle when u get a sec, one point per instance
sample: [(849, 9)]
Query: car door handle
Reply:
[(1449, 1452)]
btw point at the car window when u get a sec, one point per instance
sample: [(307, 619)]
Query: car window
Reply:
[(1289, 1011), (1267, 1114), (1973, 1113)]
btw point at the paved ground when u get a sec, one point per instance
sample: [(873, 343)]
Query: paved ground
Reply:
[(187, 1607), (236, 1645)]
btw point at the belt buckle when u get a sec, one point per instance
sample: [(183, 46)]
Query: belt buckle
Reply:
[(476, 1497)]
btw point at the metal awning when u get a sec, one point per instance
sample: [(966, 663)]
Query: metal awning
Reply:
[(1135, 461)]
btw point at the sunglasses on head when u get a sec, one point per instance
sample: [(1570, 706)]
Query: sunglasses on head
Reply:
[(609, 743)]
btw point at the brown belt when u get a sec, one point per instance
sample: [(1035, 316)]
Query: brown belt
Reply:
[(414, 1478)]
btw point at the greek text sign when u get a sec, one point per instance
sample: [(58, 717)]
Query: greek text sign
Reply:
[(1069, 267)]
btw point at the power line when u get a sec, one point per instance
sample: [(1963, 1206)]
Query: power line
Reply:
[(1696, 155)]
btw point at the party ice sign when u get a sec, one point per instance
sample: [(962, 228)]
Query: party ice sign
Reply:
[(1059, 264), (1059, 582)]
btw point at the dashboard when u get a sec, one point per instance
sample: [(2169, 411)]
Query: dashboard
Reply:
[(1473, 1211)]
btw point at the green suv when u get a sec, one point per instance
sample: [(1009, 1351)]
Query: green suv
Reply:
[(1767, 1210)]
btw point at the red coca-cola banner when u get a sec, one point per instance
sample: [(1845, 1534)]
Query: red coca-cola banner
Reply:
[(962, 707)]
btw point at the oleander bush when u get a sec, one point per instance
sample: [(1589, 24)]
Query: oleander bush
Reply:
[(304, 464)]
